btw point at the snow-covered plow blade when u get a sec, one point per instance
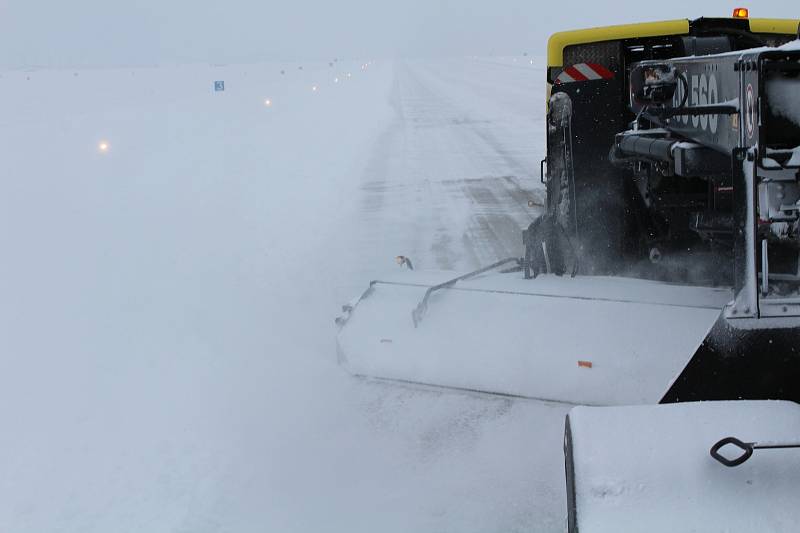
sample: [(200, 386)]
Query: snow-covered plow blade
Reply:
[(582, 340), (650, 468)]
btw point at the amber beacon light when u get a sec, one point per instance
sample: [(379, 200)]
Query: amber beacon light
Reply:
[(741, 13)]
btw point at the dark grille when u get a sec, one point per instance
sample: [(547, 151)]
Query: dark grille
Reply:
[(608, 54)]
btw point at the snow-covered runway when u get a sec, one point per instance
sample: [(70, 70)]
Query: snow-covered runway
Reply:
[(453, 179), (167, 356)]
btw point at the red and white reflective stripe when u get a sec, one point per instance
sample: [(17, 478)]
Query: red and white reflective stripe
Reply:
[(584, 72)]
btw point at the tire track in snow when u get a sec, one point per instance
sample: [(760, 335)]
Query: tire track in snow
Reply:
[(440, 186)]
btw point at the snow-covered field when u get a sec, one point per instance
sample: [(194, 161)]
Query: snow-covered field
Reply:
[(171, 263)]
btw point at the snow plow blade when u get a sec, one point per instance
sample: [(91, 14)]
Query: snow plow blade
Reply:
[(582, 340)]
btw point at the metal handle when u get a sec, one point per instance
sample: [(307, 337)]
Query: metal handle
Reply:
[(542, 164), (746, 447)]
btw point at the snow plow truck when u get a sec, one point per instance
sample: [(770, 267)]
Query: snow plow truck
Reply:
[(659, 291)]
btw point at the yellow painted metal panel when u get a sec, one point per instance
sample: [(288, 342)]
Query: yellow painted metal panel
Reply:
[(559, 41), (783, 26)]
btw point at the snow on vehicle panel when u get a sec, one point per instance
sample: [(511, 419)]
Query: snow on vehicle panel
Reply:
[(513, 340), (648, 468), (784, 97)]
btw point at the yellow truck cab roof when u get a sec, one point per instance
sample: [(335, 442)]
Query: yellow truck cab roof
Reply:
[(560, 40)]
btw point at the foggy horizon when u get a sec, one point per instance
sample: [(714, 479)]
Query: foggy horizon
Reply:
[(90, 33)]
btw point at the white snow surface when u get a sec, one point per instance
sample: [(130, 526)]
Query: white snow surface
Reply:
[(648, 468), (791, 45), (167, 354), (783, 95)]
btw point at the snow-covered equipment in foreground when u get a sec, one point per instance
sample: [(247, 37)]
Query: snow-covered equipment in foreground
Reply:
[(648, 468)]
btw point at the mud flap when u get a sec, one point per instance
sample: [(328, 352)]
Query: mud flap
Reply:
[(760, 360), (595, 341)]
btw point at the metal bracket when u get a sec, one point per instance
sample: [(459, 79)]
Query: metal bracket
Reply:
[(419, 311)]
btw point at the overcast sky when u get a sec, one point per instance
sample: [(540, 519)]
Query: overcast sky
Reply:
[(113, 32)]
